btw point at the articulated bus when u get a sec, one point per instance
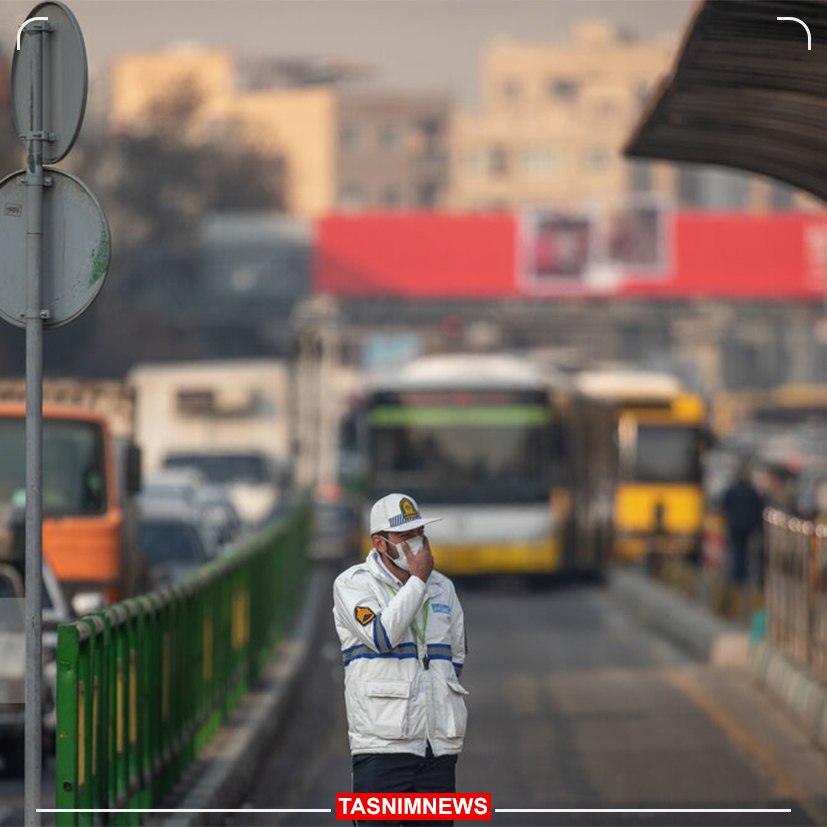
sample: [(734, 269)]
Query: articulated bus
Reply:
[(473, 439), (658, 432), (85, 531)]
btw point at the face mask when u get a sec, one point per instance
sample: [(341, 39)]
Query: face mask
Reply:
[(415, 544)]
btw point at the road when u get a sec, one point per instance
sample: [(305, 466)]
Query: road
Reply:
[(12, 799), (572, 705)]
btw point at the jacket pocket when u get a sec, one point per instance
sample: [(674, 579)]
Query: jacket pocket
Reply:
[(386, 705), (453, 721)]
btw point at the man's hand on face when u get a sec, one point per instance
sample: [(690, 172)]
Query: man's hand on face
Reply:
[(421, 564)]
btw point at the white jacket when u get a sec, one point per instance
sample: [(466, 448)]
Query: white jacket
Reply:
[(403, 647)]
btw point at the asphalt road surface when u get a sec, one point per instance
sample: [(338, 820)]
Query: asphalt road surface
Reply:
[(572, 706)]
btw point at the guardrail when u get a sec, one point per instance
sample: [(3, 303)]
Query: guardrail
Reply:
[(796, 589), (143, 685)]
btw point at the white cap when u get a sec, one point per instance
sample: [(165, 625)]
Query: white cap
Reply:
[(397, 512)]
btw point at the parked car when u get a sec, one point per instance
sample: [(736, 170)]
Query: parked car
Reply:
[(56, 609), (255, 481), (172, 540), (219, 515), (178, 484), (336, 528)]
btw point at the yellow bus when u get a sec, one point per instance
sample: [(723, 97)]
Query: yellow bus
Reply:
[(658, 430), (474, 439)]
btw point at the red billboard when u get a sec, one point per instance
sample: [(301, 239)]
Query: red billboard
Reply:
[(638, 251)]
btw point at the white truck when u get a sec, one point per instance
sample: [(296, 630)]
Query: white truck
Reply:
[(230, 419)]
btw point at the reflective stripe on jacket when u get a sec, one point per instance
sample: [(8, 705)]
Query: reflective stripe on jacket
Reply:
[(403, 647)]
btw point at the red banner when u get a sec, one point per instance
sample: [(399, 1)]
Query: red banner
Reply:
[(544, 254)]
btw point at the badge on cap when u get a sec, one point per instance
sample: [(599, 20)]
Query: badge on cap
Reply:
[(408, 509), (363, 615)]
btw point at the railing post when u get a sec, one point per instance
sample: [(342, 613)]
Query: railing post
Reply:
[(66, 794)]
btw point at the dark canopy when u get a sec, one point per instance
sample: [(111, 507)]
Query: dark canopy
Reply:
[(745, 92)]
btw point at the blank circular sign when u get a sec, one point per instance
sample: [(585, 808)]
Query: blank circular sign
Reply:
[(76, 248), (65, 81)]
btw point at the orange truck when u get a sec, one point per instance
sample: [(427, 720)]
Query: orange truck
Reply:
[(91, 472)]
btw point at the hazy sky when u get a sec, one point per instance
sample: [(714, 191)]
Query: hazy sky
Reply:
[(417, 44)]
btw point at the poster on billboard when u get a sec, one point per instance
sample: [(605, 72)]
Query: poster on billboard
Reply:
[(556, 250), (596, 250), (632, 237)]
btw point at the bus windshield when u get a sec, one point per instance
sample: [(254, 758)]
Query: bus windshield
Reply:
[(74, 476), (665, 453), (455, 463)]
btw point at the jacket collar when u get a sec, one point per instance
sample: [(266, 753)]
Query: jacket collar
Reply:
[(381, 572)]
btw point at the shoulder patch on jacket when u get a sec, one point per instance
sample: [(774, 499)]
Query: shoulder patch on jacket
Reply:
[(363, 615)]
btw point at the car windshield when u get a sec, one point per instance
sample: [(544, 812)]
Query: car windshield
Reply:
[(223, 468), (170, 541)]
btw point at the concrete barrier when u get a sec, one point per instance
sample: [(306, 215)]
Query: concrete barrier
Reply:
[(723, 644), (672, 615)]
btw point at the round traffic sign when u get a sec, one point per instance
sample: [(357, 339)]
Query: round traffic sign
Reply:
[(76, 248), (65, 81)]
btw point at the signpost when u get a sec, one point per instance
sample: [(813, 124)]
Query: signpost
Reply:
[(54, 255)]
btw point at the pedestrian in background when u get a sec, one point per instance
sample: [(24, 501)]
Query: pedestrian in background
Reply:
[(743, 509), (402, 633)]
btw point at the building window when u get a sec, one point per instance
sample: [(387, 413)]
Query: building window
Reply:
[(640, 176), (690, 187), (498, 160), (427, 194), (390, 136), (349, 136), (391, 197), (351, 197), (782, 196), (596, 158), (428, 135), (539, 161), (563, 90), (725, 189)]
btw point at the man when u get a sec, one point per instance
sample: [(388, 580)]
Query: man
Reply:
[(401, 627), (743, 511)]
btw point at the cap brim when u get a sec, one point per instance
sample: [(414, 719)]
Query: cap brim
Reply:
[(409, 526), (418, 523)]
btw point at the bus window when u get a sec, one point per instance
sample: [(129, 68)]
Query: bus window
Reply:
[(665, 453), (463, 463)]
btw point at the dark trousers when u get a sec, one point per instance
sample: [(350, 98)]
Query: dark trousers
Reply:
[(404, 773), (739, 549)]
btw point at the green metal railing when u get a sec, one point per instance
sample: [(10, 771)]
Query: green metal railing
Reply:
[(143, 685)]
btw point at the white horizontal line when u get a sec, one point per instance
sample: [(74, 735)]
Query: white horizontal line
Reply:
[(671, 810), (171, 810)]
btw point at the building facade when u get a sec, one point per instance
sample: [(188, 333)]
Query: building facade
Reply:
[(343, 149), (554, 118)]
